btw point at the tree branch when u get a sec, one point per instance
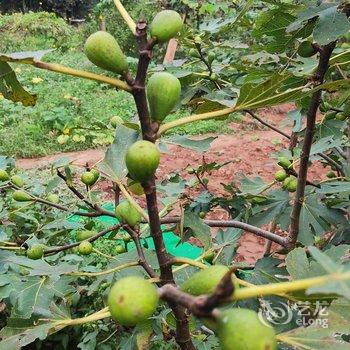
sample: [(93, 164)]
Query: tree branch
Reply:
[(315, 102), (91, 239), (237, 224)]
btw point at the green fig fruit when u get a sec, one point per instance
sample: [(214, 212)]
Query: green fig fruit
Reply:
[(340, 116), (211, 56), (115, 121), (120, 249), (165, 25), (127, 213), (281, 175), (331, 174), (324, 106), (17, 181), (53, 198), (4, 176), (127, 239), (96, 174), (35, 252), (284, 162), (21, 196), (142, 160), (202, 214), (198, 40), (104, 51), (132, 300), (85, 248), (88, 178), (204, 281), (290, 184), (306, 49), (135, 187), (84, 235), (194, 53), (242, 329), (163, 93)]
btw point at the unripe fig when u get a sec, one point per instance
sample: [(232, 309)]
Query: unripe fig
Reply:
[(204, 281), (4, 176), (331, 174), (132, 300), (324, 106), (306, 49), (53, 198), (104, 51), (21, 196), (135, 187), (120, 249), (126, 213), (290, 184), (17, 181), (115, 121), (284, 162), (96, 174), (163, 93), (142, 160), (127, 239), (211, 56), (242, 329), (281, 175), (35, 252), (340, 116), (194, 53), (84, 235), (165, 25), (202, 214), (88, 178), (85, 248), (198, 40)]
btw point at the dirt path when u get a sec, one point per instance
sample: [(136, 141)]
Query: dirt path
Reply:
[(248, 149)]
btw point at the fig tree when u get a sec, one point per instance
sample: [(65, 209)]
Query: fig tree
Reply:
[(306, 49), (132, 300), (165, 25), (35, 252), (4, 176), (142, 160), (280, 175), (135, 187), (126, 213), (21, 196), (85, 248), (88, 178), (84, 235), (204, 281), (104, 51), (17, 181), (163, 93), (242, 329)]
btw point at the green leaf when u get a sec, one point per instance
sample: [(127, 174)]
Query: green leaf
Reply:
[(12, 89), (331, 25), (297, 264), (201, 145), (334, 187), (28, 57), (252, 186), (114, 161), (199, 229), (319, 337)]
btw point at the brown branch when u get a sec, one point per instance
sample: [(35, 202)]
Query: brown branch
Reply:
[(91, 239), (315, 102), (142, 259), (292, 140), (99, 211), (149, 131), (237, 224)]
